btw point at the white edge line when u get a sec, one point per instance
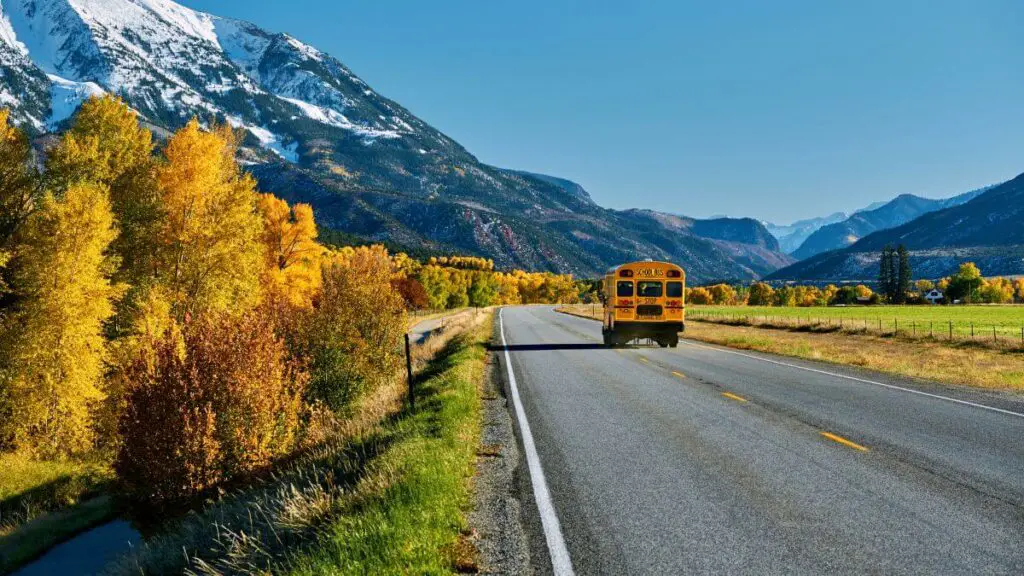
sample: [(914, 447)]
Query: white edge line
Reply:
[(854, 378), (560, 561)]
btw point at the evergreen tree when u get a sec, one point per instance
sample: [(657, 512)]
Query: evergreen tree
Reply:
[(885, 272), (903, 274)]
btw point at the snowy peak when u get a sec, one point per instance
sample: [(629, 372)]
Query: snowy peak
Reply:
[(172, 63)]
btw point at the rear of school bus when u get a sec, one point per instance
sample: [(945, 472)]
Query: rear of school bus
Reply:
[(644, 300)]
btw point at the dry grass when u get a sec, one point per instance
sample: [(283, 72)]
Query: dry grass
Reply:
[(957, 362)]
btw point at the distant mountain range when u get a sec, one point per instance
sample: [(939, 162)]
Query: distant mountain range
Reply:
[(791, 236), (987, 229), (900, 210), (317, 133)]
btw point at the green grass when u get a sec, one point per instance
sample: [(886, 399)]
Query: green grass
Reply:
[(30, 488), (43, 503), (410, 507), (1008, 320)]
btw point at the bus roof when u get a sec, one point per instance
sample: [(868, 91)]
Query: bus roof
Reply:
[(658, 263)]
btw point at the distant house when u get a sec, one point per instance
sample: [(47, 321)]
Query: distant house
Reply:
[(934, 296)]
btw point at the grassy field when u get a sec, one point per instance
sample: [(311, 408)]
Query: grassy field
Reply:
[(43, 503), (390, 499), (1008, 320), (958, 362)]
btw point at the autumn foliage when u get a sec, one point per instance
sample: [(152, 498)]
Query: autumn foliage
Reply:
[(158, 311), (354, 336), (223, 400), (52, 337)]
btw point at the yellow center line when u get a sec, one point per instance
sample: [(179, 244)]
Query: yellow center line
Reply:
[(642, 359), (678, 374), (732, 396), (844, 441)]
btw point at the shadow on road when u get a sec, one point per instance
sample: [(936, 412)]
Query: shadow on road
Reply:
[(540, 347)]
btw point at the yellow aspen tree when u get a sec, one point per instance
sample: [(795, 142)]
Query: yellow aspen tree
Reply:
[(19, 188), (292, 253), (106, 145), (211, 254), (54, 374)]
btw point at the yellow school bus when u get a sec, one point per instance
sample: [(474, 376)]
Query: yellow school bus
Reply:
[(644, 300)]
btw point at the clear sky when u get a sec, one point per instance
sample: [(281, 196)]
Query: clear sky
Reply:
[(777, 109)]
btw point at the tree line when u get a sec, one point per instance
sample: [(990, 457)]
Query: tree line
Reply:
[(967, 286), (159, 312)]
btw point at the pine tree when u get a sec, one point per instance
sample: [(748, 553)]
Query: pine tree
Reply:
[(53, 340), (885, 272), (903, 275)]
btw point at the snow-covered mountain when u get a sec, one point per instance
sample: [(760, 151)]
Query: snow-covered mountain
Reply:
[(319, 134), (172, 63), (791, 236)]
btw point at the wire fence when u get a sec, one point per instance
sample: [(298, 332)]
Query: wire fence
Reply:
[(948, 330)]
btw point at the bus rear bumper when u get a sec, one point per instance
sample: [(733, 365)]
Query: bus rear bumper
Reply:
[(647, 329)]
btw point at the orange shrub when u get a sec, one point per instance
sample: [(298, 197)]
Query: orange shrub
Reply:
[(354, 337), (225, 406)]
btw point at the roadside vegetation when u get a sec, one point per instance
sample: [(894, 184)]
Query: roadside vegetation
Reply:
[(386, 497), (168, 333), (960, 362)]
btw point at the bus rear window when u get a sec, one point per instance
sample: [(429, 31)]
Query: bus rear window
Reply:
[(624, 289), (648, 289), (674, 290)]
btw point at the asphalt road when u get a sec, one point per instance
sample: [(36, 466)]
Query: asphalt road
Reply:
[(703, 460)]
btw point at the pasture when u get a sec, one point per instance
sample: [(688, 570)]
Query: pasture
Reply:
[(992, 322)]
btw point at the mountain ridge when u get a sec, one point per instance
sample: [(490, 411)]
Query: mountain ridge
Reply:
[(988, 229), (898, 211), (315, 131)]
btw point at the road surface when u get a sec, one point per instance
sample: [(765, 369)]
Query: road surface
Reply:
[(704, 460)]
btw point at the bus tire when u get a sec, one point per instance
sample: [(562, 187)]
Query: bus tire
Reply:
[(674, 341)]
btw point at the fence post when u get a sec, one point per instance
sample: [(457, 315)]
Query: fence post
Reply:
[(931, 328), (972, 330), (914, 328), (950, 330), (408, 369), (994, 337), (896, 326)]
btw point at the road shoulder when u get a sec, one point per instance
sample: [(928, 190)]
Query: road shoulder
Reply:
[(497, 516)]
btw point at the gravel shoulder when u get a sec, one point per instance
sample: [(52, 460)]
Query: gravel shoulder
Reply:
[(497, 516)]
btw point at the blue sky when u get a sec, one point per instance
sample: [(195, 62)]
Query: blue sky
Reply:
[(777, 110)]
